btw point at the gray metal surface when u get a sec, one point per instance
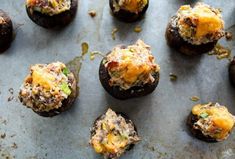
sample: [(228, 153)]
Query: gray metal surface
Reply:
[(159, 117)]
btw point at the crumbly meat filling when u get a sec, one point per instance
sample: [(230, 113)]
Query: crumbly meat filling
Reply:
[(134, 6), (49, 7), (46, 86), (132, 66), (112, 135), (214, 120), (2, 20), (199, 25)]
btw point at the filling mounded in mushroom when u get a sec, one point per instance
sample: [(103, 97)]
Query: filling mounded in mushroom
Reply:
[(2, 21), (113, 134), (214, 120), (131, 66), (49, 7), (46, 86), (199, 25), (133, 6)]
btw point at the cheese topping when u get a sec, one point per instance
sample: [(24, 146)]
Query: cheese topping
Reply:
[(214, 120), (134, 6), (2, 20), (49, 7), (132, 66), (46, 86), (112, 135), (200, 24)]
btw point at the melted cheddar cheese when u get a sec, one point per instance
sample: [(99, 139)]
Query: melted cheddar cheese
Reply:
[(46, 86), (113, 135), (43, 78), (208, 21), (200, 24), (133, 6), (50, 7), (214, 120), (131, 66)]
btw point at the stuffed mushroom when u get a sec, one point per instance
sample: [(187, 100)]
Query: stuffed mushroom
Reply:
[(51, 13), (6, 31), (49, 89), (210, 122), (128, 10), (113, 134), (128, 72), (196, 30), (231, 71)]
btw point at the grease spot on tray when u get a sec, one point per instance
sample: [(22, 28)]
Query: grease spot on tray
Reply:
[(227, 154)]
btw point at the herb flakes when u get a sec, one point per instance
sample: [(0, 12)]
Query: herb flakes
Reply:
[(195, 98), (114, 31), (66, 71), (65, 88), (203, 115)]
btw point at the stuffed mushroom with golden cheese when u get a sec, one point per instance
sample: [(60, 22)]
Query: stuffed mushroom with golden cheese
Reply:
[(128, 10), (51, 13), (49, 89), (113, 134), (195, 30), (129, 71), (6, 31), (210, 122)]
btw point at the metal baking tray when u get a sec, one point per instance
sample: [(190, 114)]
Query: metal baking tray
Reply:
[(159, 117)]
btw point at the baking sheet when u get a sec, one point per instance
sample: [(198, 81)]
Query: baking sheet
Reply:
[(159, 117)]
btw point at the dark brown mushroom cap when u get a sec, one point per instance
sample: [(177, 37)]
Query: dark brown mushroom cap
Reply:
[(174, 40), (231, 71), (195, 132), (117, 92), (127, 119), (59, 20), (6, 32), (127, 16)]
